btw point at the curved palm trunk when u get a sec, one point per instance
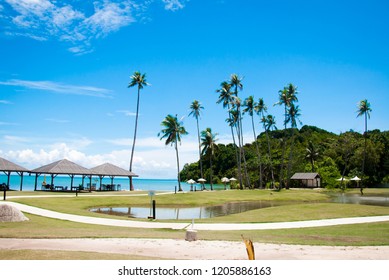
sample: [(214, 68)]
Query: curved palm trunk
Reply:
[(133, 143), (283, 153), (364, 152), (178, 167), (211, 171), (290, 160), (237, 127), (198, 136), (258, 153), (271, 163), (234, 141)]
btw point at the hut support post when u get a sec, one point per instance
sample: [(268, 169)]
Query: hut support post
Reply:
[(36, 181), (21, 180)]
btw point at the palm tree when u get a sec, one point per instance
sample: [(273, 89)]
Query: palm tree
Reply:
[(268, 123), (196, 108), (236, 83), (172, 131), (250, 106), (137, 79), (364, 109), (287, 96), (312, 154), (293, 118), (226, 97), (208, 142)]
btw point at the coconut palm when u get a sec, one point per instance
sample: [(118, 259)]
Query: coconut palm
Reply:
[(172, 131), (208, 142), (196, 111), (312, 154), (139, 80), (226, 97), (268, 123), (287, 96), (293, 118), (364, 109), (236, 83), (249, 107)]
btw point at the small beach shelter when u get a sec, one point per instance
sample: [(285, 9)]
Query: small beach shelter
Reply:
[(112, 171), (356, 179), (202, 181), (342, 179), (8, 167), (61, 167), (191, 182), (225, 180)]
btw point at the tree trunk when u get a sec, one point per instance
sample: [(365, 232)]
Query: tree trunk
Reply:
[(133, 143), (198, 136), (258, 154), (178, 167)]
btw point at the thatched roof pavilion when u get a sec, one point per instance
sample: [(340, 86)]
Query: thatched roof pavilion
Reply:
[(112, 171), (8, 167), (61, 167)]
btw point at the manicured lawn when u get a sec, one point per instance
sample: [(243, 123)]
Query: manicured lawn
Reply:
[(306, 205)]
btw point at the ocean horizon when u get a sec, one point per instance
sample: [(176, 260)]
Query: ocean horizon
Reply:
[(143, 184)]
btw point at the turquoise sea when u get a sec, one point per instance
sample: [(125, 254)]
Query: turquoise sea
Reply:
[(139, 184)]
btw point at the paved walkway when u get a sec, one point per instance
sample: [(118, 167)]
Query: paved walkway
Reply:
[(197, 226)]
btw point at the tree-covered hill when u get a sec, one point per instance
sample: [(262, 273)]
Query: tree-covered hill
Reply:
[(309, 149)]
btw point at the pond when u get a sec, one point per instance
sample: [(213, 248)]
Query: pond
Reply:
[(186, 213), (206, 212)]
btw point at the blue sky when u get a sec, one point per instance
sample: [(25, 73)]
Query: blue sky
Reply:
[(65, 67)]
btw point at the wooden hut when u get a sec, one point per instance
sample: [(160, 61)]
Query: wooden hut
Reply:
[(309, 180)]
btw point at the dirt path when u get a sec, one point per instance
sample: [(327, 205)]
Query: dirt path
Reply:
[(200, 250)]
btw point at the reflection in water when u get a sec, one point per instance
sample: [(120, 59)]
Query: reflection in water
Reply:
[(205, 212), (364, 200), (181, 213)]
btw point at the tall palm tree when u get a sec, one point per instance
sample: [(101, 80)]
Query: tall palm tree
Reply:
[(236, 83), (311, 154), (293, 118), (364, 109), (268, 123), (196, 111), (249, 107), (226, 97), (208, 142), (172, 131), (287, 96), (139, 80)]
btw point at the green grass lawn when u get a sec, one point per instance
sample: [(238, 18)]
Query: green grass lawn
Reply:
[(307, 205)]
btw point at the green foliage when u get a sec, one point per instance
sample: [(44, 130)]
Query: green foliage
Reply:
[(336, 154)]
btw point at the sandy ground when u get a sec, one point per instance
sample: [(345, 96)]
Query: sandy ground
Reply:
[(200, 250)]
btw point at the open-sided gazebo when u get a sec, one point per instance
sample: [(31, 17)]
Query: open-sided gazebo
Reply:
[(8, 167), (61, 167), (112, 171)]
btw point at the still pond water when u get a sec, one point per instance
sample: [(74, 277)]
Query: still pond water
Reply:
[(205, 212)]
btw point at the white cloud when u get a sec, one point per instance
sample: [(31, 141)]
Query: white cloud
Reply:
[(57, 120), (109, 17), (174, 5), (152, 159), (43, 19), (5, 102), (59, 87), (73, 23), (127, 113)]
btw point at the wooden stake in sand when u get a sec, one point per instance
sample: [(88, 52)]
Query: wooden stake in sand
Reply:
[(249, 248)]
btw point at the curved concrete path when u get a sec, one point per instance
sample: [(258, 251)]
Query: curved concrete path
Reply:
[(198, 226)]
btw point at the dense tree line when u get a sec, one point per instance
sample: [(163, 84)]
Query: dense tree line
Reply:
[(314, 150)]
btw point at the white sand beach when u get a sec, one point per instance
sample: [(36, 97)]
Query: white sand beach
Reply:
[(200, 250)]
